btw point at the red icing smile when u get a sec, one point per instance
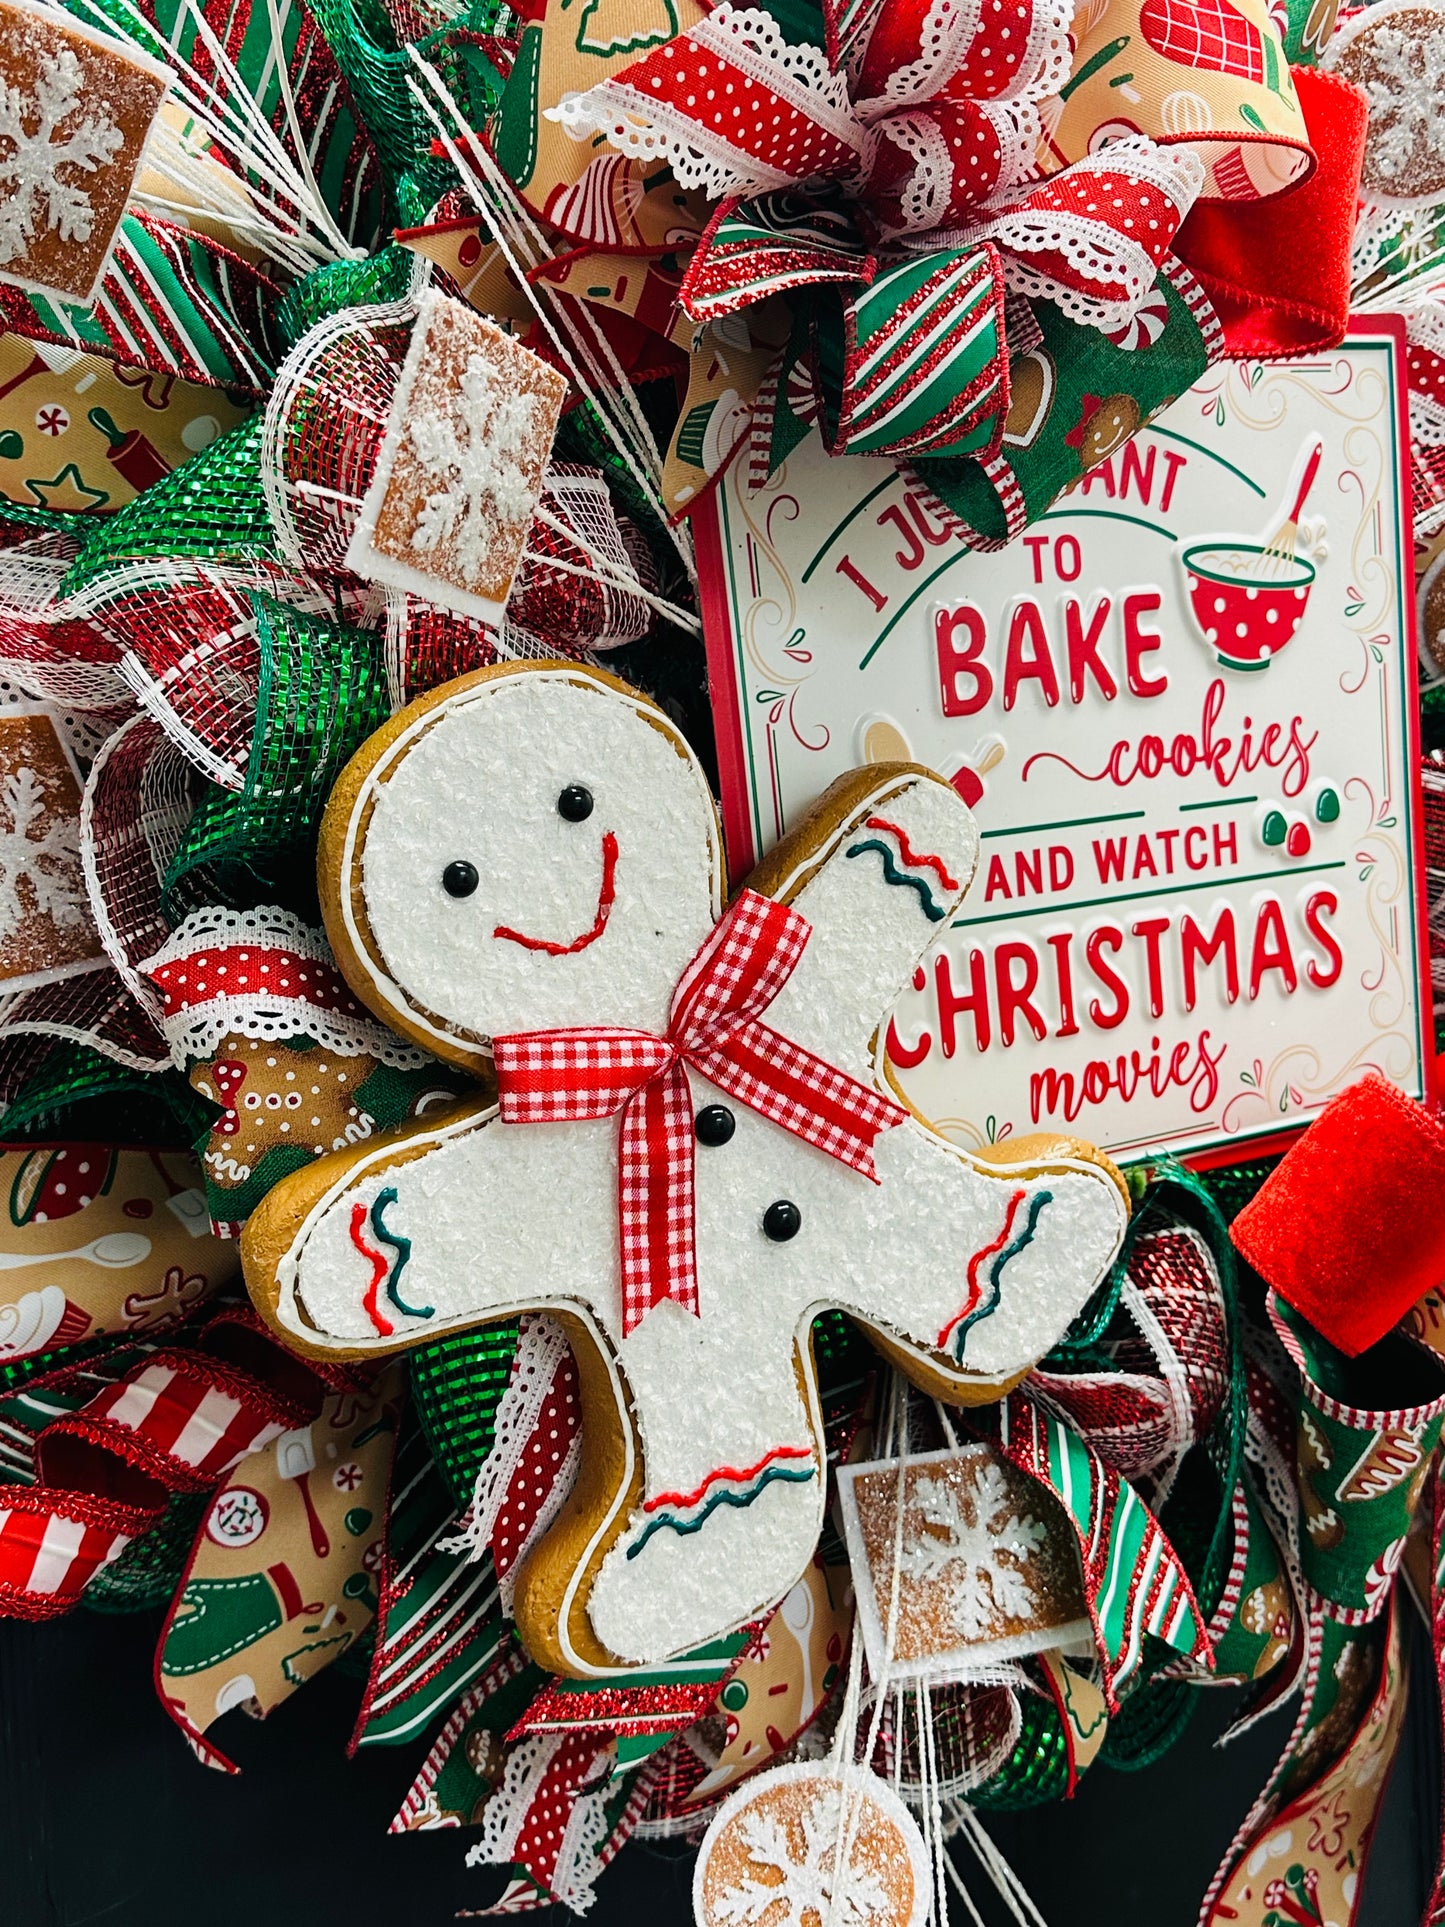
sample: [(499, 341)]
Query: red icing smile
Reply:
[(605, 898)]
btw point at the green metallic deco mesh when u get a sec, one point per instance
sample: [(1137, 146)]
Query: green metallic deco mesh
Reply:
[(321, 692), (379, 72), (57, 521), (147, 1573), (343, 284), (252, 851), (16, 1373), (364, 43), (1148, 1724), (1233, 1187), (457, 1385), (130, 1106), (1037, 1771), (1432, 718), (210, 509)]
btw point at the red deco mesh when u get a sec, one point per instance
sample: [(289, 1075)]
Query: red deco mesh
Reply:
[(95, 1009), (426, 646), (1432, 781), (324, 426), (189, 653), (560, 596), (679, 1768), (975, 1729), (53, 652)]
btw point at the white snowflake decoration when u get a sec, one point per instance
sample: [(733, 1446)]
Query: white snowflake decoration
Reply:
[(475, 452), (983, 1560), (1407, 99), (30, 176), (807, 1884), (48, 857)]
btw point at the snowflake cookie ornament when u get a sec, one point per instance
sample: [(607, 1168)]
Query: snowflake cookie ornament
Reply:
[(694, 1149), (46, 929), (1395, 54), (460, 469), (812, 1846), (76, 109), (987, 1564)]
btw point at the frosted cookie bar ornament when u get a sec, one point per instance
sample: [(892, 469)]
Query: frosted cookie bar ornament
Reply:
[(693, 1151), (460, 468), (76, 110)]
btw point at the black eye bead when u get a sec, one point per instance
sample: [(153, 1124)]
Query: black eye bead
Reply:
[(782, 1220), (459, 879), (714, 1124), (575, 803)]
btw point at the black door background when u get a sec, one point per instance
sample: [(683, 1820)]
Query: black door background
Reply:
[(108, 1819)]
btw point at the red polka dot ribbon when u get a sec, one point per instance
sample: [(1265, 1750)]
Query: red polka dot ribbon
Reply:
[(250, 970)]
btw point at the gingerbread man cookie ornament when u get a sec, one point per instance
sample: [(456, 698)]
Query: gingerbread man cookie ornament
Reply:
[(695, 1148)]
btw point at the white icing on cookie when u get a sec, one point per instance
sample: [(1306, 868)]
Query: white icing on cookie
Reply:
[(503, 1218), (484, 789)]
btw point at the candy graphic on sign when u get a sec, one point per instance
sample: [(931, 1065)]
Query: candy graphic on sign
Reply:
[(1197, 917)]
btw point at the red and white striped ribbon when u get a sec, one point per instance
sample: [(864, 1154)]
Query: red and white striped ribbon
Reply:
[(176, 1422)]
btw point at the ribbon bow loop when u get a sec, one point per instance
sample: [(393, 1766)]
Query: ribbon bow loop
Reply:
[(560, 1076)]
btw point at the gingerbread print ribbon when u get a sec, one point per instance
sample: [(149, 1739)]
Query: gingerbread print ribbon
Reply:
[(562, 1076)]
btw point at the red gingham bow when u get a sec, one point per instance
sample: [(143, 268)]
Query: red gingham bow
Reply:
[(561, 1076)]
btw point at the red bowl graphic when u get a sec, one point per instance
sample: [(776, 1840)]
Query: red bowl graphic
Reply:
[(1247, 605)]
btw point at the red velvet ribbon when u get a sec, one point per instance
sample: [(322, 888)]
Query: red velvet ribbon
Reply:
[(1278, 271)]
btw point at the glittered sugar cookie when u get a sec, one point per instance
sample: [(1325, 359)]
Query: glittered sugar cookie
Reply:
[(988, 1568), (46, 929), (1394, 55), (809, 1845), (75, 111), (693, 1151), (460, 469)]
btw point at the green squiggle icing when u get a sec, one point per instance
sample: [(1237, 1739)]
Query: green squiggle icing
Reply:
[(1025, 1237), (892, 874), (402, 1247), (794, 1476)]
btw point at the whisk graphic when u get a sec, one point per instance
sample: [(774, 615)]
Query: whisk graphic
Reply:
[(1277, 554)]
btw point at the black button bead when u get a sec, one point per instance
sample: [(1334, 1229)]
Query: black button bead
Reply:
[(459, 879), (782, 1220), (714, 1124), (575, 803)]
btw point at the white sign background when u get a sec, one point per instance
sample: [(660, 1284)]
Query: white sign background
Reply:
[(1140, 958)]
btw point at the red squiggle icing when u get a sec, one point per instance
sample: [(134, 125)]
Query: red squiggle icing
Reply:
[(975, 1290), (605, 898), (923, 859), (735, 1472), (379, 1268)]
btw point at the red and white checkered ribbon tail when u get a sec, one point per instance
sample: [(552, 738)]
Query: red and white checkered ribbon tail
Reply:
[(177, 1422)]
